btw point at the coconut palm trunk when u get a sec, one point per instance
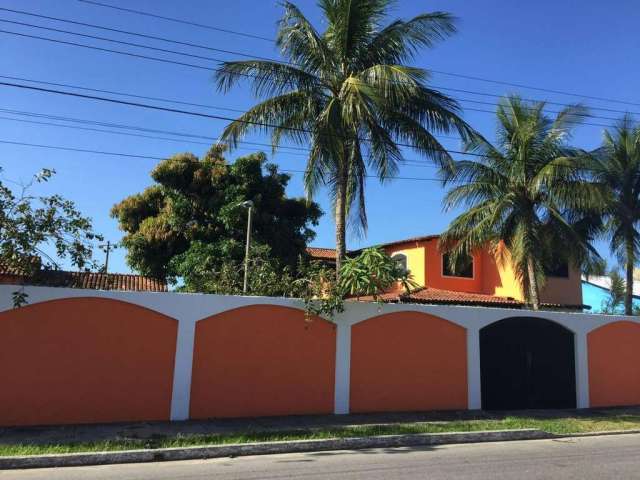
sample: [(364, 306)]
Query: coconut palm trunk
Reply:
[(534, 294), (341, 225), (628, 294)]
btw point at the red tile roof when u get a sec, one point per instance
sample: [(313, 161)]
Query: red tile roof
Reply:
[(322, 253), (422, 238), (330, 253), (447, 297), (436, 296), (87, 280)]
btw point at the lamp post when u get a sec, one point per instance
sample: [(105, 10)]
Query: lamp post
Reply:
[(249, 206)]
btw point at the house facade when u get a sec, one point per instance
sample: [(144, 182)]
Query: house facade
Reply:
[(481, 280)]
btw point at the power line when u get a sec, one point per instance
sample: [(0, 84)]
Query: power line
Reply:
[(186, 22), (201, 67), (539, 89), (206, 68), (143, 129), (406, 162), (126, 32), (174, 52), (441, 72), (184, 112), (151, 157), (232, 52), (80, 150), (128, 127), (124, 94), (533, 100), (120, 52)]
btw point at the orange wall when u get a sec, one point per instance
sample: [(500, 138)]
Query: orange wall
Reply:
[(490, 277), (614, 364), (563, 290), (430, 272), (262, 360), (408, 361), (85, 360)]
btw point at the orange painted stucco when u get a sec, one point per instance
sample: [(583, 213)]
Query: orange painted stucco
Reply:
[(85, 360), (262, 360), (614, 364), (408, 361), (490, 276)]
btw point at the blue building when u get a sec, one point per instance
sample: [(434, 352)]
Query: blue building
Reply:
[(595, 292)]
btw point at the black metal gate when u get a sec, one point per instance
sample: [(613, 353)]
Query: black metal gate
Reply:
[(527, 362)]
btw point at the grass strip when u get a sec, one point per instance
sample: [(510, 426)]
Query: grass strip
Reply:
[(566, 425)]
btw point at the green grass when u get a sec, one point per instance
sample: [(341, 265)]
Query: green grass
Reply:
[(566, 425)]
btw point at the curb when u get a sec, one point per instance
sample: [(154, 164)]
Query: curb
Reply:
[(236, 450)]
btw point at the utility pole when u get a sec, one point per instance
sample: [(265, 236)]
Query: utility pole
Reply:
[(249, 206), (107, 248)]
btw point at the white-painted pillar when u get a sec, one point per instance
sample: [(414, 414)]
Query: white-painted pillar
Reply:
[(180, 398), (343, 367), (582, 370), (474, 396)]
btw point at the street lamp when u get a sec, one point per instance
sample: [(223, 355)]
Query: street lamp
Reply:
[(249, 206)]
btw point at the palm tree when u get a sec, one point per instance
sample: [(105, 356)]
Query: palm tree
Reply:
[(348, 94), (616, 166), (525, 196)]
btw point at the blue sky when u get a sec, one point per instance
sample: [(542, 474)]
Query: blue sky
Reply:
[(585, 47)]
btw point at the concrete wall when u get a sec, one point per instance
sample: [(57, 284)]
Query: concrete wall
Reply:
[(76, 356)]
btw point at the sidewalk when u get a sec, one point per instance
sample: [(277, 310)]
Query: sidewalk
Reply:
[(53, 435)]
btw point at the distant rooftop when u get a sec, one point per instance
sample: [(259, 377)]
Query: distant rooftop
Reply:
[(85, 280), (437, 296), (321, 253)]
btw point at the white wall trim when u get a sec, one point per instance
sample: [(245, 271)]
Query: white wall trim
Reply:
[(581, 352), (343, 368), (474, 393), (181, 397)]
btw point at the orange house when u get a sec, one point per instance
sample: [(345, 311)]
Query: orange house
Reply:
[(481, 280)]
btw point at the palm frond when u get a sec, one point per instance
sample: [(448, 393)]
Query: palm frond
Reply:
[(401, 40)]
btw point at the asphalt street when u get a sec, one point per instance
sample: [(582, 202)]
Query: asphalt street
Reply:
[(616, 457)]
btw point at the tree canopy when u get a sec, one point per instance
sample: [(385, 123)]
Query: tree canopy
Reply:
[(191, 217), (615, 166), (527, 193), (38, 232), (350, 95)]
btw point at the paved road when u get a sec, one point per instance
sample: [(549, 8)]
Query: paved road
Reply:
[(615, 457)]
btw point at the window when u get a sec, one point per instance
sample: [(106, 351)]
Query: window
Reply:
[(558, 267), (401, 260), (463, 267)]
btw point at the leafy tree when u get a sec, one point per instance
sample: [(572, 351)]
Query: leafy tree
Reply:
[(616, 167), (616, 296), (190, 224), (30, 225), (202, 271), (349, 94), (526, 194), (369, 274), (595, 268)]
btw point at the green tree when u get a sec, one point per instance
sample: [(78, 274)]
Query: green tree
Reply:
[(616, 166), (349, 95), (616, 297), (31, 226), (202, 270), (527, 191), (190, 220), (369, 274)]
